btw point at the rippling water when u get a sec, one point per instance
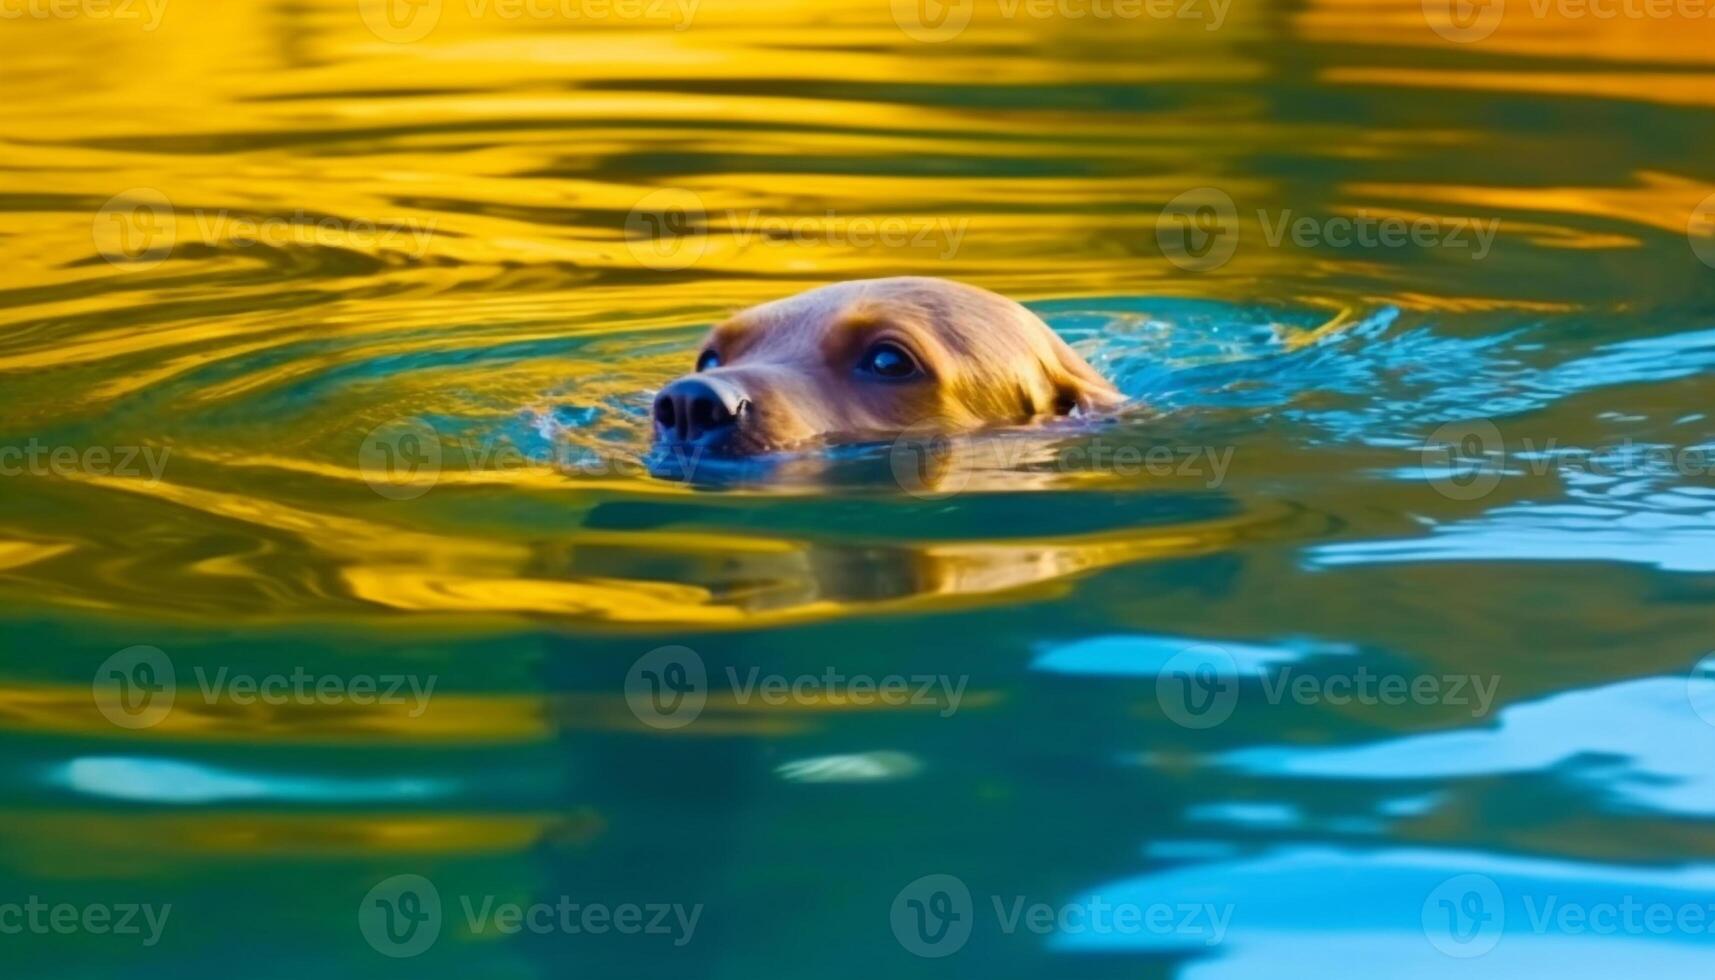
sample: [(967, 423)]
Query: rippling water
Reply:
[(1368, 642)]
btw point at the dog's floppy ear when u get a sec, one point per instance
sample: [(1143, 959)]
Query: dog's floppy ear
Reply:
[(1077, 385)]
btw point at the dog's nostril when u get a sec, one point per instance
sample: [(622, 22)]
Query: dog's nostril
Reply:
[(694, 407), (707, 415)]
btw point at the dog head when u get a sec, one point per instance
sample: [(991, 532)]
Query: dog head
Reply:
[(871, 359)]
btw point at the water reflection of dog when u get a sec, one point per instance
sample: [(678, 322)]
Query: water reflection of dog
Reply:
[(726, 566)]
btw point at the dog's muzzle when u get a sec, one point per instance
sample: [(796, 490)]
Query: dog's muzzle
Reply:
[(699, 409)]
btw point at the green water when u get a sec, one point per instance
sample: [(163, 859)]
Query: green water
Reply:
[(346, 633)]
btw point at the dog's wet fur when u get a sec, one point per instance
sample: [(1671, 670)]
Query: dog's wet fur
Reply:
[(867, 360)]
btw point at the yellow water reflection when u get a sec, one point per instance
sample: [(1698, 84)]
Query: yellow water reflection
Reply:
[(246, 236), (240, 216), (70, 844), (783, 579)]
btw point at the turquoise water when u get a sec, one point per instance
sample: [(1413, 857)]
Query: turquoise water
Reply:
[(1373, 638)]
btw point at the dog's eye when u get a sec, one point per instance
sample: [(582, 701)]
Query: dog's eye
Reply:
[(708, 359), (888, 360)]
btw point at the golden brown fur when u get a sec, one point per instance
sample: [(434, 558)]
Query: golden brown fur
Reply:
[(793, 371)]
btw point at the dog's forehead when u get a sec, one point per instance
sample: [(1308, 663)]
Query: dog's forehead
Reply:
[(816, 310), (807, 317), (970, 324)]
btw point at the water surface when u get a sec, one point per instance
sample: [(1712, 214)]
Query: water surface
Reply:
[(345, 330)]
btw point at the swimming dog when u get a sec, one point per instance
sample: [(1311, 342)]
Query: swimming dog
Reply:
[(869, 359)]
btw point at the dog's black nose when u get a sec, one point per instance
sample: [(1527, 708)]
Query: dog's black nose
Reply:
[(697, 406)]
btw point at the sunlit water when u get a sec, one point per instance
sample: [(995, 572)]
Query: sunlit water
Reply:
[(345, 334)]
